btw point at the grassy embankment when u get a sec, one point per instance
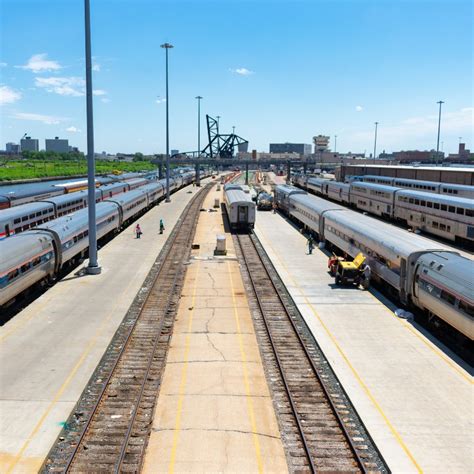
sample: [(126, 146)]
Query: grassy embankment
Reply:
[(28, 169)]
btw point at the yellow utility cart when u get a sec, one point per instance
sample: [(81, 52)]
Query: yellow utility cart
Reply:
[(349, 272)]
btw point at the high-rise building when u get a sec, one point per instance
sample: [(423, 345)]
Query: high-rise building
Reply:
[(12, 148), (58, 145), (29, 144), (321, 143), (301, 148)]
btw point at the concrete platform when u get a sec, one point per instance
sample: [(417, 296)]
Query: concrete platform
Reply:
[(49, 351), (214, 411), (414, 396)]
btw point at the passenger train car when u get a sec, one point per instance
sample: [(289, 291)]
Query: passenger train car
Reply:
[(39, 254), (447, 189), (422, 273), (442, 215), (239, 206), (20, 218)]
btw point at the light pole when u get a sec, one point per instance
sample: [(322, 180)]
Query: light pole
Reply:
[(93, 266), (218, 117), (375, 140), (335, 143), (167, 46), (233, 129), (440, 102), (199, 124)]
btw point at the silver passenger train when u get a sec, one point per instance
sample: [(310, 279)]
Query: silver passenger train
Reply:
[(38, 254), (20, 218), (239, 206), (446, 189), (423, 273), (443, 215)]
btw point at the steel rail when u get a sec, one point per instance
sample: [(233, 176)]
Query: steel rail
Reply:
[(252, 238), (176, 232)]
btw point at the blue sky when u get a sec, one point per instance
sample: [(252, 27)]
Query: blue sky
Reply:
[(277, 70)]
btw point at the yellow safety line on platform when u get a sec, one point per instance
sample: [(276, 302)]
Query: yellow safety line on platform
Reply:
[(63, 387), (346, 359), (243, 356), (184, 372)]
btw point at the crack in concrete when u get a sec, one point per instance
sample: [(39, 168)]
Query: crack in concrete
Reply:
[(218, 430), (210, 319)]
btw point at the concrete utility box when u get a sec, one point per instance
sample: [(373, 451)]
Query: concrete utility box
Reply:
[(220, 246), (216, 202)]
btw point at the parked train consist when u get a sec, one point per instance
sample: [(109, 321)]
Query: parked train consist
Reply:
[(13, 199), (446, 189), (239, 206), (38, 254), (20, 218), (424, 274), (438, 214)]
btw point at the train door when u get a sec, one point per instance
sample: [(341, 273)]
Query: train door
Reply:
[(242, 214), (7, 230), (403, 277)]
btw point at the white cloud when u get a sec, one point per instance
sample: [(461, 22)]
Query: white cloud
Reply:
[(359, 108), (99, 92), (40, 63), (96, 67), (73, 130), (8, 95), (160, 100), (3, 64), (71, 86), (242, 71), (47, 119)]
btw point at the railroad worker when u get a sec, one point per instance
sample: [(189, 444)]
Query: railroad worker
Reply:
[(138, 231), (310, 244), (162, 226), (367, 275), (274, 206)]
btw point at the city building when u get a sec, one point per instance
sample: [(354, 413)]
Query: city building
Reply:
[(13, 148), (301, 148), (321, 143), (29, 144), (58, 145), (417, 156), (463, 155)]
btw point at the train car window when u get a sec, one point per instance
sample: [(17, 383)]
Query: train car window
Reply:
[(32, 216), (448, 228), (436, 205), (435, 224), (411, 200), (444, 207), (36, 262), (442, 227), (469, 212), (429, 204), (16, 221), (13, 274), (466, 308), (24, 218), (448, 297), (460, 211), (417, 202), (25, 267), (423, 203), (451, 209)]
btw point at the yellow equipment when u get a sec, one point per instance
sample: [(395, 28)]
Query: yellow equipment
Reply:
[(349, 272)]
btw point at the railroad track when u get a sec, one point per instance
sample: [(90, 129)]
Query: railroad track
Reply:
[(320, 430), (109, 428)]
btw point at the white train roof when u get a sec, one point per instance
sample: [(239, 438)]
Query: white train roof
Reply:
[(441, 198)]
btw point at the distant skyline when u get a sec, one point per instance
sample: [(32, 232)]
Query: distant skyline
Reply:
[(280, 71)]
